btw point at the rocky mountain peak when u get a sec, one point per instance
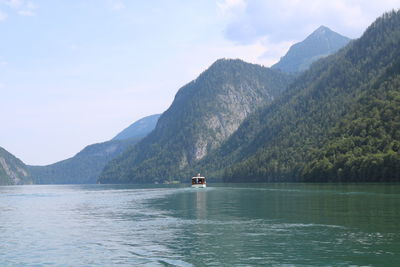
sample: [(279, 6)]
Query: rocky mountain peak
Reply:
[(320, 43)]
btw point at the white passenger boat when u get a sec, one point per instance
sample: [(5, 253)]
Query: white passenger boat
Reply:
[(199, 181)]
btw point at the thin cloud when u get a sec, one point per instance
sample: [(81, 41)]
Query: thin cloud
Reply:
[(231, 7), (273, 26), (3, 16), (22, 7), (292, 19), (74, 47), (26, 13), (117, 4), (14, 3)]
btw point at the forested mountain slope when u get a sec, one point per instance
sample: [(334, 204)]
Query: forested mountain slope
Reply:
[(12, 170), (83, 168), (339, 121), (204, 113)]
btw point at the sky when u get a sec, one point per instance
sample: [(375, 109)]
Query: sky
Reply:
[(77, 72)]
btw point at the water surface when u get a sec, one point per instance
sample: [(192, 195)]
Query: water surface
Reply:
[(223, 225)]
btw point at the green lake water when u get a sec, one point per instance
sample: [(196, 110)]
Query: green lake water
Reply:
[(222, 225)]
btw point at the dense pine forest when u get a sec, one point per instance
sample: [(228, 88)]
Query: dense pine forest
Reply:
[(338, 122)]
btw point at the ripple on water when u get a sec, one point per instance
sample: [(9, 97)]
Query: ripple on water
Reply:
[(244, 225)]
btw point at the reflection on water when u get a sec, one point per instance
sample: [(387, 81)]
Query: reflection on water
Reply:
[(201, 205), (273, 224)]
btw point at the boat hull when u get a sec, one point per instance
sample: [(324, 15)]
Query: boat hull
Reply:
[(199, 185)]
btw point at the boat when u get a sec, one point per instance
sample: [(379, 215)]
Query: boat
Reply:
[(199, 181)]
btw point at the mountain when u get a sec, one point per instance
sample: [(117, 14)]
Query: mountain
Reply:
[(86, 166), (139, 128), (321, 43), (338, 121), (12, 170), (204, 113)]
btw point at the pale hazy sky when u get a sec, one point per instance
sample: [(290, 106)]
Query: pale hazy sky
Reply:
[(76, 72)]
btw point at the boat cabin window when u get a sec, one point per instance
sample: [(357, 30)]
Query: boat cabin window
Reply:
[(198, 181)]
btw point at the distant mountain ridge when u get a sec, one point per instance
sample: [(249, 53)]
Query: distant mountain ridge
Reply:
[(12, 170), (86, 166), (83, 168), (139, 128), (321, 43), (204, 113)]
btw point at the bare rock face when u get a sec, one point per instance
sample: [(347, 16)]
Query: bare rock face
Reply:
[(217, 102), (235, 102), (204, 113), (12, 170)]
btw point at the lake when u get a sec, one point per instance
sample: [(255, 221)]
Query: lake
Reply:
[(223, 225)]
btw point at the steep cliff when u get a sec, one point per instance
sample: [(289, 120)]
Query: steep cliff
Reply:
[(12, 170), (204, 113)]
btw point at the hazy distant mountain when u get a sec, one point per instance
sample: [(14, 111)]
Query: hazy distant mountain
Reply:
[(139, 128), (12, 170), (204, 113), (321, 43), (337, 122), (86, 166)]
